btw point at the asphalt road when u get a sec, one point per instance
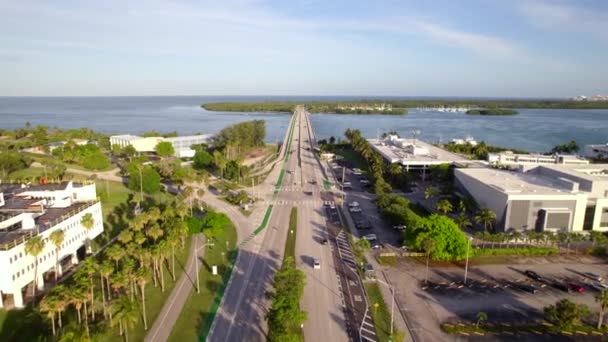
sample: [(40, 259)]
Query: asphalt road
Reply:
[(322, 298)]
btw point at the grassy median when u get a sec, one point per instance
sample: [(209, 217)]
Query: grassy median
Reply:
[(290, 243), (196, 317)]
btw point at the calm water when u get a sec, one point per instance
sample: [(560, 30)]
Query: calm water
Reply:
[(533, 129)]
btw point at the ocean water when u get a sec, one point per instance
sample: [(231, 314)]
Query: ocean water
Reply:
[(533, 129)]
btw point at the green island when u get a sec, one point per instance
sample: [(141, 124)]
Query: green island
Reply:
[(399, 107), (334, 107), (492, 111)]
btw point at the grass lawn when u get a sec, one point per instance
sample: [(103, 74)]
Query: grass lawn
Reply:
[(195, 316), (155, 298), (30, 172), (42, 158), (290, 243), (381, 314)]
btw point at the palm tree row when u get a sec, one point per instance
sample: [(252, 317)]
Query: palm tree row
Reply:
[(114, 283)]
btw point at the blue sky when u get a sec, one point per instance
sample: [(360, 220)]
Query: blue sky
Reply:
[(304, 47)]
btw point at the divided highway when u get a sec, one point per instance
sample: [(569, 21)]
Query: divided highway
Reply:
[(328, 294)]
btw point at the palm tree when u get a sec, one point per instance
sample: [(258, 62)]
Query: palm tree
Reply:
[(77, 298), (126, 315), (141, 277), (89, 267), (61, 298), (34, 247), (115, 252), (88, 222), (428, 244), (482, 236), (57, 237), (105, 269), (220, 161), (463, 221), (444, 206), (173, 239), (125, 236), (430, 192), (462, 206), (485, 217), (49, 305), (602, 299), (481, 316)]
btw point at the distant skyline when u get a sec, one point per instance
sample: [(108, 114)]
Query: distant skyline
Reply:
[(468, 48)]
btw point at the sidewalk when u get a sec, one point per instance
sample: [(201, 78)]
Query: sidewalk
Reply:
[(163, 325)]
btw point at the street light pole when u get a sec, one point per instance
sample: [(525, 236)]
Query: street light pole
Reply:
[(392, 311), (466, 265)]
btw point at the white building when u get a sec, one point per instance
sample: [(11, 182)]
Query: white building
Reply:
[(181, 145), (558, 197), (26, 212), (596, 151), (413, 153), (509, 158), (467, 140)]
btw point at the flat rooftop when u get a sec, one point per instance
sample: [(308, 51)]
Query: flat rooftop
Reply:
[(516, 182), (591, 172), (48, 219), (396, 154)]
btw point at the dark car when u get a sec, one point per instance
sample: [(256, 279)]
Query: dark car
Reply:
[(534, 275), (324, 242), (560, 286), (527, 288), (576, 287)]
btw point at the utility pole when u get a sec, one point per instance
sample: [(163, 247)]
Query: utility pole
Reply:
[(466, 266), (141, 185)]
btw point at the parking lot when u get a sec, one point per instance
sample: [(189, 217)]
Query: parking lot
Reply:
[(504, 292)]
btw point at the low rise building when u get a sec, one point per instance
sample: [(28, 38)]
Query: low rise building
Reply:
[(557, 197), (413, 153), (508, 158), (30, 211), (596, 151), (182, 145)]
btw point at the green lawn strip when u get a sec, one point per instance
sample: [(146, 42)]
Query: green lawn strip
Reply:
[(290, 242), (28, 173), (264, 221), (543, 328), (41, 158), (199, 311), (380, 313)]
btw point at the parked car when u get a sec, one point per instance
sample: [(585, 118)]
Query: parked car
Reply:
[(576, 287), (400, 227), (598, 286), (347, 186), (370, 237), (316, 264), (593, 276), (377, 244), (560, 285), (527, 288), (534, 275)]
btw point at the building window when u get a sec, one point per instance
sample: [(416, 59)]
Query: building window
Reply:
[(13, 277), (10, 260)]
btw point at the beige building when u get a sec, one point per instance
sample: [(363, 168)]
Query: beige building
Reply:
[(182, 145), (557, 197), (509, 158)]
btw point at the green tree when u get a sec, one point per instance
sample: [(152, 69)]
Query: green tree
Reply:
[(485, 217), (49, 305), (481, 316), (164, 149), (565, 313), (214, 223), (602, 299), (220, 161), (142, 279), (463, 221), (34, 247), (125, 315), (444, 206), (284, 316), (202, 160), (150, 179), (428, 244), (430, 192), (450, 243), (57, 237)]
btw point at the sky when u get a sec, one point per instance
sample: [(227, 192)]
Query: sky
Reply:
[(473, 48)]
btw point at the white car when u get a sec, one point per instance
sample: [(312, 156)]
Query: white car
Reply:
[(354, 209), (316, 264), (357, 172), (353, 204), (599, 286), (370, 237)]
